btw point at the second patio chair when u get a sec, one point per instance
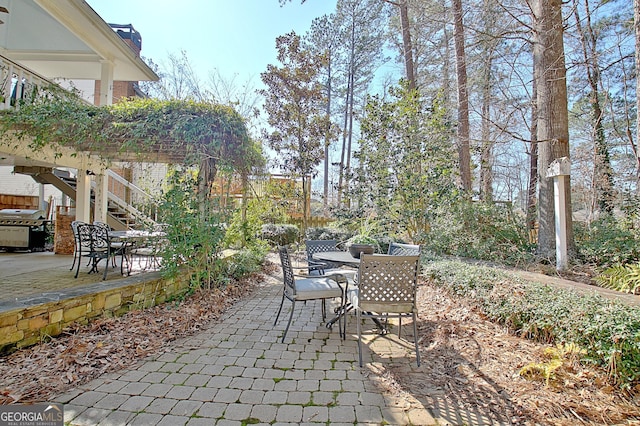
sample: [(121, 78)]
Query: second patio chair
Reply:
[(317, 246), (386, 289), (398, 249), (93, 244), (311, 288)]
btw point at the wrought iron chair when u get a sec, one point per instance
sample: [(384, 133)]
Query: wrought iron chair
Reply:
[(386, 289), (117, 247), (398, 249), (317, 246), (150, 249), (94, 244), (311, 288), (77, 244)]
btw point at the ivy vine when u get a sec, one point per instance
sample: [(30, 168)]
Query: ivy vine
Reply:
[(186, 130)]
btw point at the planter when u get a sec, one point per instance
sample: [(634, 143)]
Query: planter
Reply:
[(357, 249)]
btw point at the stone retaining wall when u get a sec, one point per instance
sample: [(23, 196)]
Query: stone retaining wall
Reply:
[(26, 326)]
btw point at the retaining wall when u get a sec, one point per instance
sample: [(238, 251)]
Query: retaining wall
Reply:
[(28, 325)]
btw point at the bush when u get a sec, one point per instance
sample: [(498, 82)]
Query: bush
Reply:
[(607, 242), (480, 231), (322, 233), (246, 261), (608, 331), (280, 234)]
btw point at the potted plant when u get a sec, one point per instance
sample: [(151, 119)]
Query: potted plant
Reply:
[(361, 243)]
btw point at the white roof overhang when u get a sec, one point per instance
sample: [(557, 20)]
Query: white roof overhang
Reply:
[(66, 39)]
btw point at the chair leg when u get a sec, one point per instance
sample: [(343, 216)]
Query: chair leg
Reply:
[(279, 310), (358, 326), (78, 264), (73, 265), (415, 337), (293, 306), (106, 268)]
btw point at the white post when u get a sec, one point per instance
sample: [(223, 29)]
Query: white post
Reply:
[(83, 196), (561, 222), (106, 83), (100, 201), (559, 169)]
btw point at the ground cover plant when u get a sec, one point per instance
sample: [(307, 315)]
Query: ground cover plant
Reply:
[(605, 333)]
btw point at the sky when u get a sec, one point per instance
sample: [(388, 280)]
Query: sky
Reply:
[(236, 37)]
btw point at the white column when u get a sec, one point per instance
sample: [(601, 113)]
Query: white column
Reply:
[(106, 83), (83, 196), (101, 191), (559, 169), (561, 222), (41, 200)]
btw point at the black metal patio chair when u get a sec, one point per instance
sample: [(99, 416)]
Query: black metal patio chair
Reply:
[(309, 288)]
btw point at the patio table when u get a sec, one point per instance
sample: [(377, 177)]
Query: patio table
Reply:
[(340, 257), (130, 238), (344, 258)]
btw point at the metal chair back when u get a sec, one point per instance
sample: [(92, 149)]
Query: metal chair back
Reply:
[(320, 246), (398, 249), (93, 242), (287, 271)]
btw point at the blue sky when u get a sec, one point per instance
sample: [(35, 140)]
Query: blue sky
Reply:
[(233, 36)]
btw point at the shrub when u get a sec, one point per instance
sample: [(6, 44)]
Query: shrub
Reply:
[(280, 234), (608, 331), (246, 261), (322, 233), (607, 242), (243, 231), (480, 231)]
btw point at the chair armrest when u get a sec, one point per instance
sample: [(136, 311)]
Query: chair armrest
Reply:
[(340, 279)]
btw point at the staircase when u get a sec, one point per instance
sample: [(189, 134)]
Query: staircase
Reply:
[(120, 214)]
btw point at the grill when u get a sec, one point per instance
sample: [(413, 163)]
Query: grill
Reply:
[(23, 229)]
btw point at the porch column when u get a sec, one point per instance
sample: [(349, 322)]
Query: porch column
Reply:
[(101, 191), (83, 196), (106, 83)]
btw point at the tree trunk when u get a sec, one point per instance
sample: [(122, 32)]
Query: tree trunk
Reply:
[(486, 153), (602, 170), (553, 120), (636, 24), (464, 154), (327, 142), (533, 157), (407, 45)]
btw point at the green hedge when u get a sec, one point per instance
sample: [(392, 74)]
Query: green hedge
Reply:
[(609, 331)]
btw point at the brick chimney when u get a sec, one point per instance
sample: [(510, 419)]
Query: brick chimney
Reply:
[(124, 89)]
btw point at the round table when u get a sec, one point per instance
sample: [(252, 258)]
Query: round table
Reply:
[(341, 257)]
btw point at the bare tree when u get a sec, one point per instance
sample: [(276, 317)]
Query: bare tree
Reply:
[(553, 118), (464, 153)]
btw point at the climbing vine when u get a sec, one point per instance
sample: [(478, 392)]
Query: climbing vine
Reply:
[(184, 130)]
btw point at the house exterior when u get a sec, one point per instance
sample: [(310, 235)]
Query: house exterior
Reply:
[(67, 43)]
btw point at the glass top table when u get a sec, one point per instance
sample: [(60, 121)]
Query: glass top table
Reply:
[(341, 257)]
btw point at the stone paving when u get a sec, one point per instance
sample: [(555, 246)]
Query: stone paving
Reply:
[(237, 372)]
